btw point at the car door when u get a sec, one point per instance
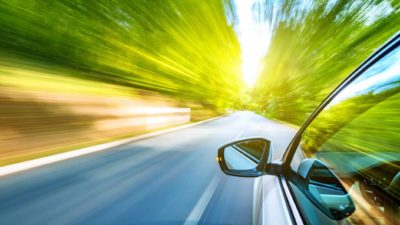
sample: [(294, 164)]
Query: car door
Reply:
[(343, 166)]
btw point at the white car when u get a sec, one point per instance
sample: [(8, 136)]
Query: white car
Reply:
[(343, 165)]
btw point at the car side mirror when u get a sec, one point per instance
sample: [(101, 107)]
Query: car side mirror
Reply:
[(324, 189), (244, 158)]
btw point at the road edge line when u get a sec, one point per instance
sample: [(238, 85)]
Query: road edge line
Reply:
[(34, 163)]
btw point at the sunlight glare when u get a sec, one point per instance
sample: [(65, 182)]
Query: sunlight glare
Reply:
[(254, 38)]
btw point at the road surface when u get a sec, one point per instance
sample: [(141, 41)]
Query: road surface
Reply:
[(168, 179)]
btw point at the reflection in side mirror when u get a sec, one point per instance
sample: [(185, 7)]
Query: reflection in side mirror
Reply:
[(245, 157), (325, 190)]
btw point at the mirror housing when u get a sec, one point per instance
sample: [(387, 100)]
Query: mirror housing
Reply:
[(324, 189), (244, 158)]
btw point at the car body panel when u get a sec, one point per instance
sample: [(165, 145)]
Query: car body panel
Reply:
[(269, 204)]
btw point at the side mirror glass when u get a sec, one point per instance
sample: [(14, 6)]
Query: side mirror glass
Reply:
[(325, 190), (244, 158)]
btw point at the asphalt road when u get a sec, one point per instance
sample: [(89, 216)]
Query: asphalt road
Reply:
[(168, 179)]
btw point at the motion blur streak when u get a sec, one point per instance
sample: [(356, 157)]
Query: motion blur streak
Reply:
[(160, 180), (76, 73), (38, 122), (180, 48), (314, 46)]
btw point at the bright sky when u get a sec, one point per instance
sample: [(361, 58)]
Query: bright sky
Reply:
[(254, 38)]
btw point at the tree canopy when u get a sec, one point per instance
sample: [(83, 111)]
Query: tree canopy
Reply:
[(314, 46), (185, 49)]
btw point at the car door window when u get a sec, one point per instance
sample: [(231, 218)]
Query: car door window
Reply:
[(357, 136)]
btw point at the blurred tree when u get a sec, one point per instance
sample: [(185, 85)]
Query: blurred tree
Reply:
[(314, 46), (185, 49)]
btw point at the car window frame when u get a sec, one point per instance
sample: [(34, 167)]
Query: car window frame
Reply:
[(285, 171), (385, 49)]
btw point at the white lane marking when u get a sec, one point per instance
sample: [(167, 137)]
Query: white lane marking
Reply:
[(18, 167), (201, 205)]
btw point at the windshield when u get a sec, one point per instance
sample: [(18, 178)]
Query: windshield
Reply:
[(357, 136)]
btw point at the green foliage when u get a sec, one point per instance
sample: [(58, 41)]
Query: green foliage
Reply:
[(185, 49), (314, 47), (347, 125)]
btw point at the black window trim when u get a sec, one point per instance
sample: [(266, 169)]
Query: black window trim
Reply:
[(296, 216)]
